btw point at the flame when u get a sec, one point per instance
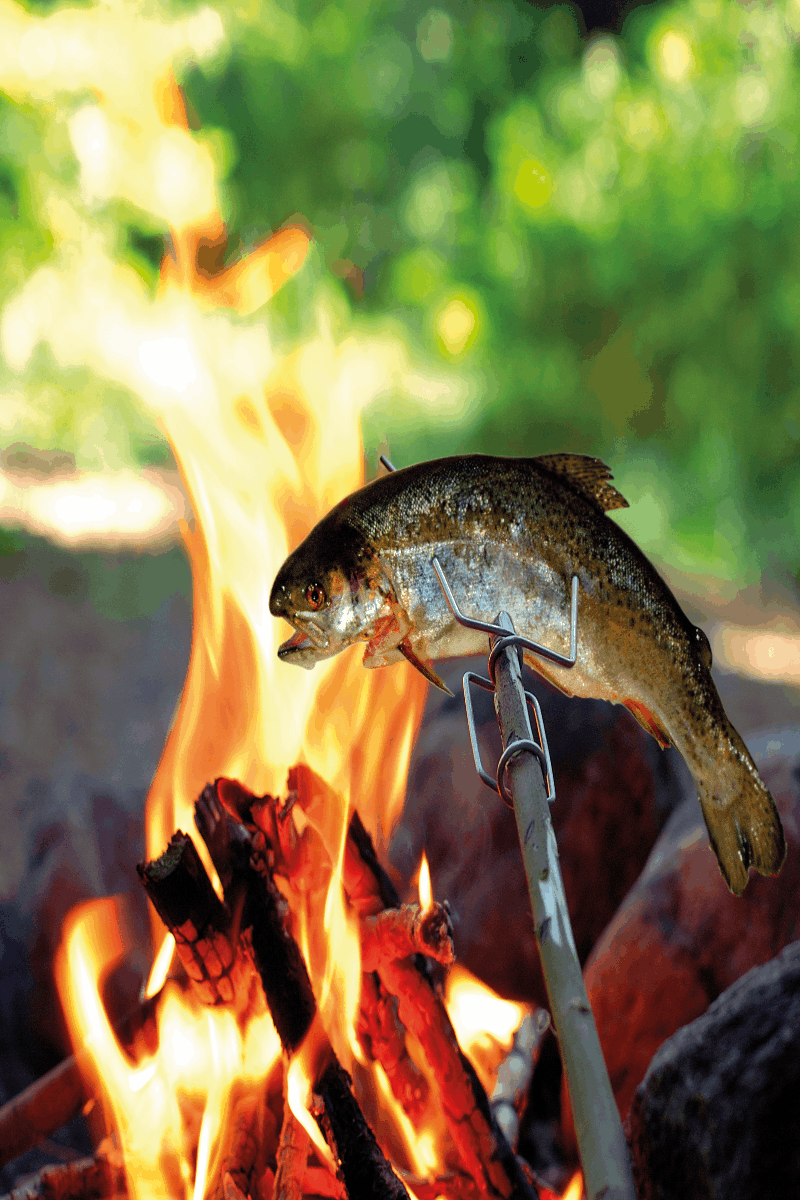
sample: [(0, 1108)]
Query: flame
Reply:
[(574, 1188), (299, 1076), (152, 1101), (160, 968), (424, 885), (484, 1022), (266, 444)]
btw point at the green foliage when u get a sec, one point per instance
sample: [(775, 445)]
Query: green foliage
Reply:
[(621, 213), (601, 236)]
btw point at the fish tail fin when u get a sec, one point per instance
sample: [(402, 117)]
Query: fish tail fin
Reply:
[(743, 823)]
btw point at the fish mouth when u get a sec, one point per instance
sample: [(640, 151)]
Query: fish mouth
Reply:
[(298, 641), (304, 642)]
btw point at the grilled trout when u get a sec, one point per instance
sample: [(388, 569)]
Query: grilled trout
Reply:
[(510, 534)]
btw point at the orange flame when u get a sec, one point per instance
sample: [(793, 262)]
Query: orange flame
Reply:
[(484, 1022), (153, 1102), (266, 444), (574, 1188)]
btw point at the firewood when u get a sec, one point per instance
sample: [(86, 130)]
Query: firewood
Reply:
[(240, 1165), (382, 1038), (366, 1171), (231, 1189), (291, 1158), (482, 1147), (182, 895), (453, 1186), (318, 1181), (284, 976), (226, 839), (515, 1072), (296, 857), (398, 932), (40, 1109), (99, 1178)]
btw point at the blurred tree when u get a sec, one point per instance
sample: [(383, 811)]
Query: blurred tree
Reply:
[(598, 234)]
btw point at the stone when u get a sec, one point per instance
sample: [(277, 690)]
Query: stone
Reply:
[(681, 938), (715, 1117)]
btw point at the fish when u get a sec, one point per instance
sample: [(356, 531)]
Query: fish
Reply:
[(510, 534)]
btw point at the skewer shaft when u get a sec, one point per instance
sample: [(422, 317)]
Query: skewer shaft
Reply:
[(598, 1129)]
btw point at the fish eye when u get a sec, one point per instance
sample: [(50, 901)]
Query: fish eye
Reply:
[(315, 596)]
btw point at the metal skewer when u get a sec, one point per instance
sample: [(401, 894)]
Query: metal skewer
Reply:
[(521, 773)]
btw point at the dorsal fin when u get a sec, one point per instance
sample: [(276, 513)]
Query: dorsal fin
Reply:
[(588, 475)]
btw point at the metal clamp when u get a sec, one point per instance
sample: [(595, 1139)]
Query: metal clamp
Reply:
[(515, 639), (521, 746)]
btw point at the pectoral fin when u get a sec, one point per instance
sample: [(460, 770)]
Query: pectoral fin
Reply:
[(648, 722), (424, 668)]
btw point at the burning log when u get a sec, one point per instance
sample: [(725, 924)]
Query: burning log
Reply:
[(292, 1158), (382, 1035), (485, 1154), (183, 897), (383, 1039), (398, 932), (98, 1178), (287, 987), (244, 1160)]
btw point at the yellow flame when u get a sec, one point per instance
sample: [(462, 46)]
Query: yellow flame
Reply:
[(298, 1097), (484, 1022), (574, 1188), (200, 1050), (424, 884), (417, 1146), (160, 968), (266, 444)]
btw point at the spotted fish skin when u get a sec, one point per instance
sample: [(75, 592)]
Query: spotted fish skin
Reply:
[(510, 534)]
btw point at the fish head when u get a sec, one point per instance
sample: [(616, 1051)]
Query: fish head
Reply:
[(333, 589)]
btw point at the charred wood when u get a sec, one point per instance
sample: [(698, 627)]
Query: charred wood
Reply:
[(183, 897), (292, 1157), (98, 1178), (287, 986), (240, 1166), (485, 1154)]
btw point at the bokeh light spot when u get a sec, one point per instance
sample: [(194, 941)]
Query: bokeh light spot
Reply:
[(674, 57), (533, 185), (457, 325)]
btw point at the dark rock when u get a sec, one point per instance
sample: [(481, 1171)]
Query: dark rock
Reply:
[(680, 939), (715, 1117)]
